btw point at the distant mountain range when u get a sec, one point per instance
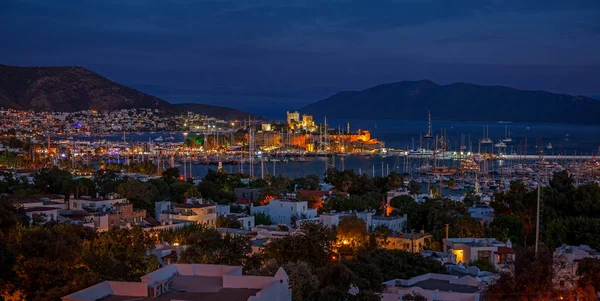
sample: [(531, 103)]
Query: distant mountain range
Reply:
[(410, 100), (70, 89)]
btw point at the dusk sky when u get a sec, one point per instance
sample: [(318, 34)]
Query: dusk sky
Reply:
[(271, 55)]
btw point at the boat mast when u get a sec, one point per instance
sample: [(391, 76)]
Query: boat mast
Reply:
[(428, 135)]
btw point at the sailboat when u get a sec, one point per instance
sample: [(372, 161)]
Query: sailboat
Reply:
[(486, 139), (507, 136), (429, 135), (549, 146), (500, 144)]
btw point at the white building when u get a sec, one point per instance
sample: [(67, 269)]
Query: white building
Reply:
[(434, 287), (192, 282), (192, 211), (44, 214), (566, 259), (282, 211), (95, 204), (372, 221), (396, 192), (468, 250)]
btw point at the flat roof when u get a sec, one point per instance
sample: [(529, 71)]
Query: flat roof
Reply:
[(40, 209), (205, 288), (193, 205), (444, 285)]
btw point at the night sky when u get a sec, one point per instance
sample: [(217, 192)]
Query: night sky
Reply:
[(271, 55)]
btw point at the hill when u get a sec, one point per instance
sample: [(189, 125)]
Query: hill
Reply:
[(216, 111), (410, 100), (70, 89)]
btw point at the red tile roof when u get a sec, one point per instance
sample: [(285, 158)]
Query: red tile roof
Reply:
[(313, 193), (243, 201), (505, 250)]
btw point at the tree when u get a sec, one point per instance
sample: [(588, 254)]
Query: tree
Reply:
[(451, 183), (304, 283), (413, 297), (520, 202), (106, 180), (50, 262), (310, 182), (382, 233), (313, 244), (261, 218), (170, 175), (120, 254), (504, 227), (352, 231), (530, 279), (414, 187), (228, 222), (208, 246), (393, 264)]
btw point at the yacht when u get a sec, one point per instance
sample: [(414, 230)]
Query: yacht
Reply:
[(549, 146), (507, 137), (486, 139), (500, 144), (159, 139)]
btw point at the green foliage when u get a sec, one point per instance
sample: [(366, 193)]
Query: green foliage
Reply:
[(310, 182), (352, 231), (304, 283), (120, 254), (414, 187), (391, 264), (53, 180), (363, 202), (413, 297), (233, 208), (588, 270), (170, 175), (142, 194), (49, 262), (106, 180), (313, 245), (208, 246), (213, 191), (261, 218), (180, 191), (228, 222), (504, 227), (485, 266), (573, 231)]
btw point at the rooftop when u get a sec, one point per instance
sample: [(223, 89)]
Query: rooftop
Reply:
[(205, 288), (40, 209), (193, 205), (476, 242), (444, 285)]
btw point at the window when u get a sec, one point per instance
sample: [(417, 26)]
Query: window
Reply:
[(291, 208), (74, 204)]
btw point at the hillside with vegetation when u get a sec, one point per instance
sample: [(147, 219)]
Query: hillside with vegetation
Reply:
[(410, 100)]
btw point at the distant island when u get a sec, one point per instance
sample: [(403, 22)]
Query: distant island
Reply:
[(410, 100), (71, 89)]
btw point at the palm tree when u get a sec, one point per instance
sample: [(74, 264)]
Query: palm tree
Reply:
[(452, 183)]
